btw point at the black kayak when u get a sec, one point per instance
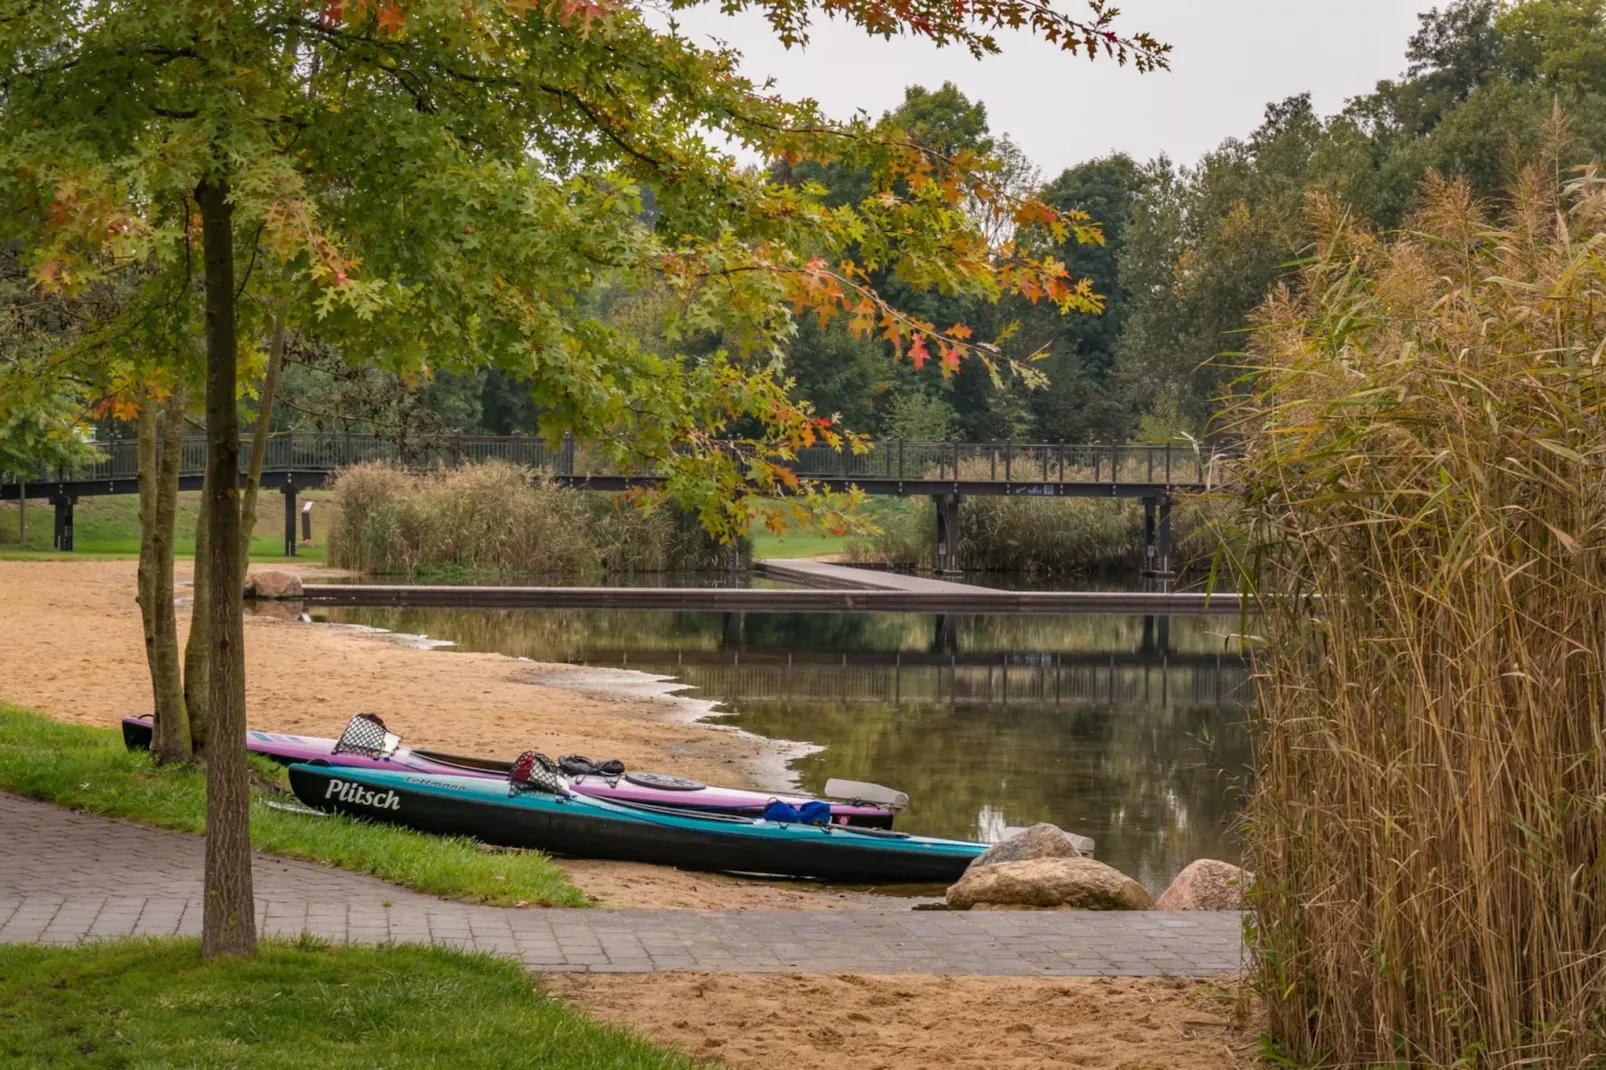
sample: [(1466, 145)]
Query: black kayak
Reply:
[(555, 820)]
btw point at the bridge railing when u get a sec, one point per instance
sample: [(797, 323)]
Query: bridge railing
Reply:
[(1012, 462), (990, 462)]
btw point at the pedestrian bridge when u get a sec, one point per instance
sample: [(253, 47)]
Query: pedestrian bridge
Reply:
[(944, 471)]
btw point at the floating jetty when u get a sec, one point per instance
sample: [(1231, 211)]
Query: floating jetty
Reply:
[(829, 592)]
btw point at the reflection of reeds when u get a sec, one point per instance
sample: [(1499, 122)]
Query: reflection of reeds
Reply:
[(1429, 820), (493, 519)]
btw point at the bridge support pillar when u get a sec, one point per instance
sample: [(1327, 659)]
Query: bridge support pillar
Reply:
[(946, 559), (289, 491), (1157, 538), (731, 631), (945, 635), (64, 510)]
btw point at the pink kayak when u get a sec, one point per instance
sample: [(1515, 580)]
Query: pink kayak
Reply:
[(367, 744)]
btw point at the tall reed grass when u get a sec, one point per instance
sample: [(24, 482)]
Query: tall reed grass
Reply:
[(495, 519), (1428, 825)]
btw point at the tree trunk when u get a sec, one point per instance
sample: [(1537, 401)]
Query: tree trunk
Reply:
[(22, 516), (196, 660), (172, 737), (146, 468), (259, 439), (228, 921)]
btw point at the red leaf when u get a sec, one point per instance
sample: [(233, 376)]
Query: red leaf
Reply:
[(918, 352)]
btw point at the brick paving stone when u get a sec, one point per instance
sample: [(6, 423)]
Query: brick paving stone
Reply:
[(54, 889)]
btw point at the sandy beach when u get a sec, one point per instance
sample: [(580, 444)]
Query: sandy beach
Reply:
[(73, 648), (75, 627)]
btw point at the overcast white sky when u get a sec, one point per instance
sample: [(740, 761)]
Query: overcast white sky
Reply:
[(1229, 59)]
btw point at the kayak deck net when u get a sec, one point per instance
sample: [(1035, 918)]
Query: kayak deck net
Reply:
[(367, 736), (533, 771)]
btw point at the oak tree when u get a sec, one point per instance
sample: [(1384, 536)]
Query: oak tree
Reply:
[(435, 185)]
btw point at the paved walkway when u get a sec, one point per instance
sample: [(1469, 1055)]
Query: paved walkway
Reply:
[(822, 574), (67, 877)]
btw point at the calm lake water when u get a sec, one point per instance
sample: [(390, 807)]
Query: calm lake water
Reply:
[(1126, 729)]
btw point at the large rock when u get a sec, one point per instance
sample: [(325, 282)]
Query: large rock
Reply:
[(271, 583), (1040, 841), (1053, 883), (1207, 885)]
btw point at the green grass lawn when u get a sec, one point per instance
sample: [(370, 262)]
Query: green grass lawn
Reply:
[(154, 1003), (89, 769), (107, 528), (796, 543)]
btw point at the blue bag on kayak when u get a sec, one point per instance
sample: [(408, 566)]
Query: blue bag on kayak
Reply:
[(780, 811), (813, 812)]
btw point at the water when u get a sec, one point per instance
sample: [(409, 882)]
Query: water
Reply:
[(1120, 728)]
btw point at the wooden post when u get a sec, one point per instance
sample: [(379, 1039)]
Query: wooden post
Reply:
[(946, 558), (289, 491), (64, 510), (1163, 551), (1148, 536)]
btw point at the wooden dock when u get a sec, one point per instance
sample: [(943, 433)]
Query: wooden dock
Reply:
[(968, 600)]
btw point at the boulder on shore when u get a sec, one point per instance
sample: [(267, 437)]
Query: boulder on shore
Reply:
[(1207, 885), (1050, 883), (1040, 841), (272, 583)]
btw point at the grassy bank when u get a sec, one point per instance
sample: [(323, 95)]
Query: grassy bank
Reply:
[(89, 769), (108, 527), (155, 1003)]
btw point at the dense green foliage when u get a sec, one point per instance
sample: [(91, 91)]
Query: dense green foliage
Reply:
[(303, 1004), (89, 769), (1205, 243), (1190, 251)]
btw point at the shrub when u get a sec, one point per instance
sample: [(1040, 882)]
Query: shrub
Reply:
[(1042, 536), (1429, 815), (496, 519)]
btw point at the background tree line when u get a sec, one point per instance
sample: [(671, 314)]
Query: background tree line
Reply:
[(1189, 250)]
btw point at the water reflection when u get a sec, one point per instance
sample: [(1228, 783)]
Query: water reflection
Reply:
[(1126, 729)]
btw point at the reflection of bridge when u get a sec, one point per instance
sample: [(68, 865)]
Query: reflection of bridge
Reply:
[(963, 680), (1152, 675), (945, 471)]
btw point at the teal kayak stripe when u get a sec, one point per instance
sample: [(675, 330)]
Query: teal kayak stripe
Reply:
[(494, 793)]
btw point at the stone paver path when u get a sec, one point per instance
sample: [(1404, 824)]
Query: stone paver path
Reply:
[(67, 877)]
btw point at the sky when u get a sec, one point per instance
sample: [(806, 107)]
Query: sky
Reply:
[(1229, 59)]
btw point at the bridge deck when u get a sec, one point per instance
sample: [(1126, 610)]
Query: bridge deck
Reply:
[(304, 459)]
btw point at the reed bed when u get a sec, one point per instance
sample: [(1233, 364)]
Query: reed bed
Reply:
[(496, 519), (1045, 536), (1429, 816)]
